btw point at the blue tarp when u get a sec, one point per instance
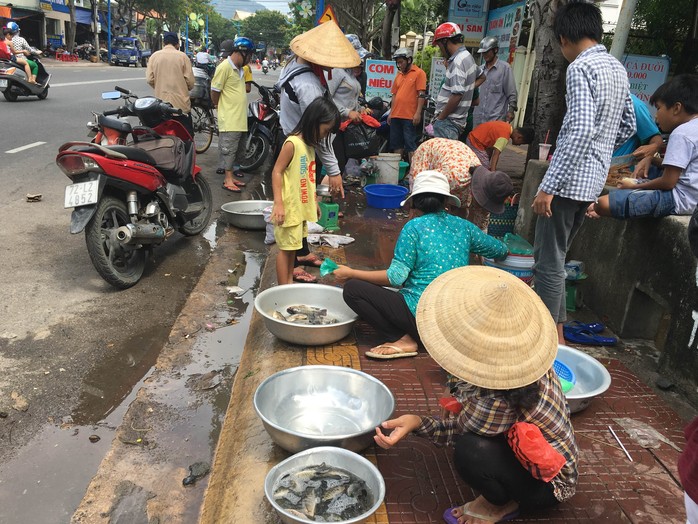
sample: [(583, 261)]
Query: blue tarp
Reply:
[(84, 16)]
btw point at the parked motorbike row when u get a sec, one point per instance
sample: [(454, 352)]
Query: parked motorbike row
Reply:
[(133, 185)]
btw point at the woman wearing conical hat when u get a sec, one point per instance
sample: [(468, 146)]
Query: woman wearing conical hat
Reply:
[(497, 340)]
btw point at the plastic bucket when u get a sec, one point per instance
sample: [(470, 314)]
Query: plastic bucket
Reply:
[(521, 266), (403, 170), (388, 165), (385, 196)]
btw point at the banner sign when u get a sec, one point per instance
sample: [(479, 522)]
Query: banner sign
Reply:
[(505, 25), (59, 6), (380, 75), (436, 76), (646, 74), (471, 16)]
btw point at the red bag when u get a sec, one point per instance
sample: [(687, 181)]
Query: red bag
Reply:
[(534, 452)]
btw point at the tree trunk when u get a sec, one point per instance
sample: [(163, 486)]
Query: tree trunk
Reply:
[(70, 37), (688, 62), (391, 8), (548, 76), (95, 20)]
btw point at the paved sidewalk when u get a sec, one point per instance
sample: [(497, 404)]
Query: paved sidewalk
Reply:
[(420, 480)]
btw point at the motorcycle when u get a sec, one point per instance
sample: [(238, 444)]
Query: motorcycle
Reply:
[(15, 83), (133, 186), (265, 69), (263, 129)]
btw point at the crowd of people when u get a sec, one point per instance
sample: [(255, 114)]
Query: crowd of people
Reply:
[(455, 185)]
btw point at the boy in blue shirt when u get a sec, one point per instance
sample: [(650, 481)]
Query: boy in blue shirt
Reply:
[(675, 192), (646, 141)]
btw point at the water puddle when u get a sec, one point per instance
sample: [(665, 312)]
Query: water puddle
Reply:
[(56, 467)]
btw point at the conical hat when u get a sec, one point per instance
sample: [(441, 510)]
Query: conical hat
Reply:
[(487, 327), (326, 45)]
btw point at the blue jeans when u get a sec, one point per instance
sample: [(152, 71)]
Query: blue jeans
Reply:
[(402, 135), (635, 203), (447, 129)]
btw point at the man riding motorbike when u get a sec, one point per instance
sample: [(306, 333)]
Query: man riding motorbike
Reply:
[(21, 47)]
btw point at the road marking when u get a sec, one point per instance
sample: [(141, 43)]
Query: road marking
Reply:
[(28, 146), (67, 84)]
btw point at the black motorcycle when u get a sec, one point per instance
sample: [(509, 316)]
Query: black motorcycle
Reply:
[(263, 129), (14, 82)]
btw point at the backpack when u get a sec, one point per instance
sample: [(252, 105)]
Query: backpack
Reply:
[(290, 92), (5, 51)]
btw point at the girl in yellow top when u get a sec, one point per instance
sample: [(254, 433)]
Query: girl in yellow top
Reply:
[(293, 182)]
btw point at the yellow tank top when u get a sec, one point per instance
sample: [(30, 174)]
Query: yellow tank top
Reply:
[(298, 192)]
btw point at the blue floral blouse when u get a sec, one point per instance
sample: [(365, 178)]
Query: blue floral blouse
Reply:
[(433, 244)]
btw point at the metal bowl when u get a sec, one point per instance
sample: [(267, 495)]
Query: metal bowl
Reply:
[(593, 378), (310, 406), (318, 295), (334, 457), (246, 214)]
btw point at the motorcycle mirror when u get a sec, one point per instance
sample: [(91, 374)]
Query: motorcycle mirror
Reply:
[(111, 95)]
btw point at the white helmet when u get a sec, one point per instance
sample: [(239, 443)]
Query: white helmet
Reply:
[(403, 52)]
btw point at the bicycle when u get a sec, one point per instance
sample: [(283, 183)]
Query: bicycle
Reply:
[(204, 124)]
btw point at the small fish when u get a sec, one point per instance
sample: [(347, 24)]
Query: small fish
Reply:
[(306, 310), (296, 513), (278, 315), (298, 318), (310, 502)]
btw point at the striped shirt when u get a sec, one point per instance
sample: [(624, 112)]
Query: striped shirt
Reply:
[(461, 73), (599, 118), (486, 413)]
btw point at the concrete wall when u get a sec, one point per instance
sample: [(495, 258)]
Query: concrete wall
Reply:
[(643, 277)]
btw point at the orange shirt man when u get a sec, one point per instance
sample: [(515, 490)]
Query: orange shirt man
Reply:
[(488, 140), (406, 111)]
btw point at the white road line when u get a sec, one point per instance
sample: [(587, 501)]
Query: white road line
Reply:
[(67, 84), (28, 146)]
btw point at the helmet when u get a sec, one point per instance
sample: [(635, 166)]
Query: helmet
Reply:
[(13, 27), (243, 44), (487, 43), (447, 30), (403, 52)]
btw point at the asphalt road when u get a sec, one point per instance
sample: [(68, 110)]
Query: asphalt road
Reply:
[(72, 349)]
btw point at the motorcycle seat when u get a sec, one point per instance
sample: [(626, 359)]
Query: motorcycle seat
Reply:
[(134, 153), (114, 123)]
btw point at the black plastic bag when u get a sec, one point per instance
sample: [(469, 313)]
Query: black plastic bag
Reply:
[(360, 141)]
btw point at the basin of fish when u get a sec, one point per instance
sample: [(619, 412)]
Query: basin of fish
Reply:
[(322, 493), (302, 314)]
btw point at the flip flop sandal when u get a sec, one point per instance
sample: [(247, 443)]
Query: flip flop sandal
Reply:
[(594, 327), (313, 261), (450, 519), (232, 189), (300, 275), (587, 338), (399, 353), (239, 174), (220, 171)]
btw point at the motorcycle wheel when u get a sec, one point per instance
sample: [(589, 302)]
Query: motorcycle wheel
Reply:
[(198, 194), (43, 94), (9, 95), (119, 267), (258, 150), (202, 121)]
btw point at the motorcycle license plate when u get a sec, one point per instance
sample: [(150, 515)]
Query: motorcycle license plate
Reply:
[(82, 194), (3, 83)]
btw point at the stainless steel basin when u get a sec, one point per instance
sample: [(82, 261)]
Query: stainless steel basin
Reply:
[(593, 378), (246, 214)]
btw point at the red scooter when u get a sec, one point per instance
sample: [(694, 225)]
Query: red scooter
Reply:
[(133, 186)]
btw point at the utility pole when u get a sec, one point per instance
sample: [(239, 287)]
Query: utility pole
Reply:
[(620, 36)]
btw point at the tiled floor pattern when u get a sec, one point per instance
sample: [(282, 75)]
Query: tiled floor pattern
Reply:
[(421, 483)]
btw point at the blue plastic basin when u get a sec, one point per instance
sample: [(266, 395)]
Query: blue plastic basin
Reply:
[(385, 196)]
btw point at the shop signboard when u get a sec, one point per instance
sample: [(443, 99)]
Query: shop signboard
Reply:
[(380, 75), (646, 74), (436, 76), (505, 25), (471, 16), (59, 6)]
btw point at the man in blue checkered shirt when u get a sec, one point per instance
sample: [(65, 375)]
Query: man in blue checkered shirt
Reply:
[(599, 118)]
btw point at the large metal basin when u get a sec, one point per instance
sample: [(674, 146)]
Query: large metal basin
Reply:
[(334, 457), (310, 406), (246, 214), (593, 378), (318, 295)]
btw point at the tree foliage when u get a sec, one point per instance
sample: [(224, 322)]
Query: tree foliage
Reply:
[(421, 16), (269, 27)]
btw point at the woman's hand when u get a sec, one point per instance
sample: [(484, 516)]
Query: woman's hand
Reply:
[(401, 426), (354, 116), (278, 215), (343, 273)]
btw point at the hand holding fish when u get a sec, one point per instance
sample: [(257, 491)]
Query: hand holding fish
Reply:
[(343, 273), (401, 426), (278, 214)]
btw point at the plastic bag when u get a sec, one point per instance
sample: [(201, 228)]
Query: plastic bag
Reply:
[(360, 141), (328, 266), (517, 245), (269, 237), (535, 453)]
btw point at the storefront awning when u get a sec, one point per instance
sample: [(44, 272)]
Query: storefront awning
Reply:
[(5, 12), (19, 13)]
